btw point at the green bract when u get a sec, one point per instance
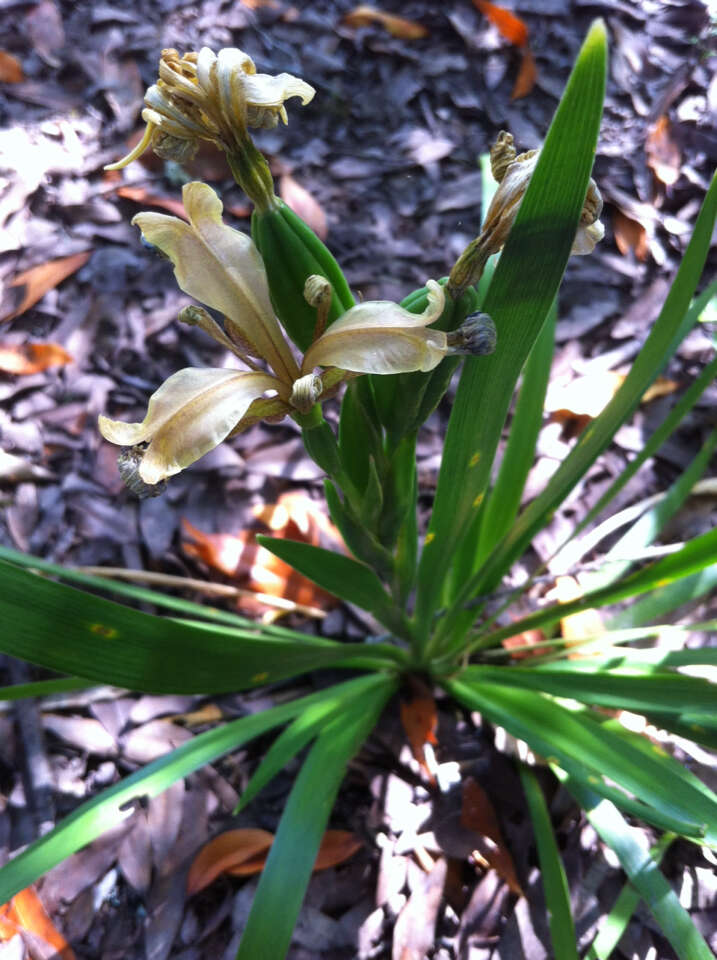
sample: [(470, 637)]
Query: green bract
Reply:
[(430, 596)]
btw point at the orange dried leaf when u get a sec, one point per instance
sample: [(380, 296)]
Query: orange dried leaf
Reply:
[(663, 154), (518, 644), (26, 912), (241, 557), (32, 284), (142, 195), (235, 850), (509, 25), (363, 15), (420, 721), (525, 81), (10, 68), (585, 396), (304, 205), (336, 847), (23, 358), (296, 517), (478, 815), (629, 235)]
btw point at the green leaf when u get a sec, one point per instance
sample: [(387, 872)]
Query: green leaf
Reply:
[(582, 747), (552, 874), (618, 688), (523, 287), (291, 859), (614, 925), (42, 688), (503, 503), (694, 556), (667, 599), (87, 636), (303, 729), (114, 805), (646, 529), (643, 872), (340, 575), (658, 347), (139, 594)]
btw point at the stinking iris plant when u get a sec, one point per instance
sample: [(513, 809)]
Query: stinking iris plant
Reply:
[(218, 97)]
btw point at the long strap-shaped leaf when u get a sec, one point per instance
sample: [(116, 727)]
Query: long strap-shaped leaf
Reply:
[(343, 576), (644, 873), (659, 346), (552, 873), (523, 287), (291, 859), (694, 556), (117, 803), (582, 747), (619, 688), (73, 632)]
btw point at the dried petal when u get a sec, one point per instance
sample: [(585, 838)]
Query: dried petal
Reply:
[(382, 337), (189, 415), (223, 268)]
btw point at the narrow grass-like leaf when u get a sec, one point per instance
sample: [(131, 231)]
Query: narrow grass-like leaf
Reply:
[(617, 688), (693, 557), (673, 419), (523, 287), (341, 575), (613, 926), (303, 729), (643, 872), (645, 530), (42, 688), (140, 594), (291, 859), (578, 744), (552, 873), (80, 634), (115, 804), (668, 598), (657, 349), (503, 502)]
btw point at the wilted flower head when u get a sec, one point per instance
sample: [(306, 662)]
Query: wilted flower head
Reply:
[(195, 409), (513, 173), (208, 96)]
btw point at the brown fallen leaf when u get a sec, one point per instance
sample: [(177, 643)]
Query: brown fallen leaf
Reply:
[(241, 557), (508, 24), (26, 912), (10, 68), (478, 815), (521, 641), (663, 154), (31, 285), (243, 852), (415, 930), (420, 721), (629, 235), (527, 75), (230, 851), (304, 205), (363, 15), (143, 195), (23, 358)]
